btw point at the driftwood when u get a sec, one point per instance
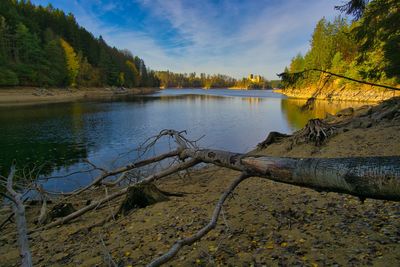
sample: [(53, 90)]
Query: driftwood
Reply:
[(20, 219)]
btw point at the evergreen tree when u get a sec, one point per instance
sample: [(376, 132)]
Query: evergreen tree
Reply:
[(58, 72)]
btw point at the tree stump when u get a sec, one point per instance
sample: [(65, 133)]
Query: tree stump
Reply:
[(140, 196), (61, 210)]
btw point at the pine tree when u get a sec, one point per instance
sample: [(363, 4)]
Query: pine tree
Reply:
[(58, 72)]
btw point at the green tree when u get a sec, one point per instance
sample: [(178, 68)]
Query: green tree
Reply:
[(297, 64), (57, 66), (320, 55), (339, 66), (379, 35), (8, 77)]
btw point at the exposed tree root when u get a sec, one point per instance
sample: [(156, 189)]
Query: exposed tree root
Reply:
[(316, 131)]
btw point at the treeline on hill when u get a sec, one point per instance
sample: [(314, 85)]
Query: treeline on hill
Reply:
[(42, 46), (367, 49), (191, 80)]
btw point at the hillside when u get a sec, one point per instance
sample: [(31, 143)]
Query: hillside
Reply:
[(43, 46)]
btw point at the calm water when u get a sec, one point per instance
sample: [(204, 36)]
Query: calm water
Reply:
[(57, 138)]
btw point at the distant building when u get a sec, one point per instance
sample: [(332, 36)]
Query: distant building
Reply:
[(254, 78)]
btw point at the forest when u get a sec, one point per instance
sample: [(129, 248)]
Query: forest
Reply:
[(43, 46), (170, 79), (366, 48)]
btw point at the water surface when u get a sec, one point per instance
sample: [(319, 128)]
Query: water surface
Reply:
[(57, 138)]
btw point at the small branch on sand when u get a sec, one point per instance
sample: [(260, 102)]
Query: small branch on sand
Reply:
[(203, 231)]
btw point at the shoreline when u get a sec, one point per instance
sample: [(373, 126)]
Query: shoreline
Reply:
[(218, 88), (33, 95), (362, 93)]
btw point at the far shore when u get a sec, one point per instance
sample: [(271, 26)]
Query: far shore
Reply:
[(228, 88), (11, 96)]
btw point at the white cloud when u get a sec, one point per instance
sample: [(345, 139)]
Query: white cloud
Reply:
[(230, 37), (258, 43)]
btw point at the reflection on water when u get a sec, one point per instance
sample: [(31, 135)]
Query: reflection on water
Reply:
[(298, 117), (65, 134)]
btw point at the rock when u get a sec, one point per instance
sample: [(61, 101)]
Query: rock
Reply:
[(345, 112)]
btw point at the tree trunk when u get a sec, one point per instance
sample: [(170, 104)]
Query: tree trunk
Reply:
[(365, 177)]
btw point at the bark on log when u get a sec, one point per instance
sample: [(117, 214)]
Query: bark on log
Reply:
[(220, 158), (365, 177)]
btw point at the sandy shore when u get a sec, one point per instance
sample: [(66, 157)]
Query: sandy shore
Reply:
[(27, 96), (264, 224)]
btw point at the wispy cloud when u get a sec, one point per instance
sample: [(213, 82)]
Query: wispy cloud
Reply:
[(239, 37), (227, 36)]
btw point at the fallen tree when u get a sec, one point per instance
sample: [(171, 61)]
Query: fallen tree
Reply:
[(365, 177)]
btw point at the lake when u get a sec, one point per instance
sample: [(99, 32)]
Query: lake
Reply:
[(55, 139)]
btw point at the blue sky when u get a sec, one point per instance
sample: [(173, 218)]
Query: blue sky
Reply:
[(232, 37)]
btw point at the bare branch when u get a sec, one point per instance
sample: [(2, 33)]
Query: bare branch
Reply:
[(121, 192), (203, 231), (19, 212), (124, 169)]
